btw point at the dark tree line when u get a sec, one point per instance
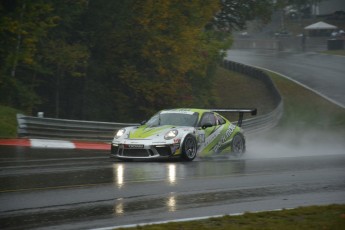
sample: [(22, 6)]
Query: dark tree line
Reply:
[(114, 60)]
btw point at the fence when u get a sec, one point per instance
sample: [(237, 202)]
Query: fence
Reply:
[(283, 44), (37, 127)]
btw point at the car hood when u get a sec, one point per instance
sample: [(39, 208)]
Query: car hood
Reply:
[(147, 132)]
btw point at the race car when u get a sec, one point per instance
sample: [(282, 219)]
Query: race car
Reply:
[(183, 133)]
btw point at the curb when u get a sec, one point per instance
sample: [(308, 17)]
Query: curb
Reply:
[(55, 144)]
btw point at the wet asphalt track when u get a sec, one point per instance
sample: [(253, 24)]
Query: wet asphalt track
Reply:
[(81, 189)]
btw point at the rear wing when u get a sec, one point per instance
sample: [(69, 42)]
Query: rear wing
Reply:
[(241, 112)]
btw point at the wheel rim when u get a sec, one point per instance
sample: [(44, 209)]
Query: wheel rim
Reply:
[(190, 148), (238, 144)]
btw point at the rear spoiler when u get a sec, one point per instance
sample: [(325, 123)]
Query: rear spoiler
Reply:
[(241, 112)]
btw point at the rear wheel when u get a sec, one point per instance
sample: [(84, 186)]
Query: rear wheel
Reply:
[(189, 148), (238, 145)]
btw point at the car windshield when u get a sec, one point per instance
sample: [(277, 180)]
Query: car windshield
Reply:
[(174, 118)]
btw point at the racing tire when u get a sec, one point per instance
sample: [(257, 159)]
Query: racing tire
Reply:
[(238, 145), (189, 148)]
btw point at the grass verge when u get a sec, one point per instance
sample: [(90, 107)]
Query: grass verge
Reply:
[(313, 217), (303, 109), (8, 122), (235, 90), (335, 52), (306, 109)]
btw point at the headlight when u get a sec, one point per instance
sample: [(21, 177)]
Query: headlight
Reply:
[(120, 133), (171, 134)]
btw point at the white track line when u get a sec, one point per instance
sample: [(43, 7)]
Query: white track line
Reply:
[(42, 143)]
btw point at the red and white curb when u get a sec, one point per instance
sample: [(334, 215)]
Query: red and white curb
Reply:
[(55, 144)]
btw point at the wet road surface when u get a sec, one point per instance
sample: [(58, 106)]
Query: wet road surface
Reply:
[(322, 73), (81, 189)]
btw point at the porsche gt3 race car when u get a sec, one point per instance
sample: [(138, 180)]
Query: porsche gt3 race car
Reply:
[(183, 133)]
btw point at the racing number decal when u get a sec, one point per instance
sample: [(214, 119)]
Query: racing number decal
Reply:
[(208, 137)]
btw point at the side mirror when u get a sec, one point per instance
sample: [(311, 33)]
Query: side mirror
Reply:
[(207, 125)]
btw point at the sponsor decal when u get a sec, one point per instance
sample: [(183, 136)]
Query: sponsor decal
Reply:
[(181, 111), (209, 139), (224, 138), (176, 141), (131, 146)]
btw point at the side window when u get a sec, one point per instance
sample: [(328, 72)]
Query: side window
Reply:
[(208, 118), (220, 120), (204, 119), (213, 119)]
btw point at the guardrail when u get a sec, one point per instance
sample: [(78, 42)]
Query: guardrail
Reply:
[(37, 127), (266, 121), (263, 122)]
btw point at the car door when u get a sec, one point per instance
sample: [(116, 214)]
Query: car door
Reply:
[(210, 128)]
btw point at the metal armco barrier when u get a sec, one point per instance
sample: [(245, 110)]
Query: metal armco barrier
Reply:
[(263, 122), (36, 127), (266, 121)]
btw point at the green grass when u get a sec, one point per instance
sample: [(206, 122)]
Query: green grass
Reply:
[(314, 217), (335, 52), (303, 109), (235, 90), (307, 116), (306, 109), (8, 122)]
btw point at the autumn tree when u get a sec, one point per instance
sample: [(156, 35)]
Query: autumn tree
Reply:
[(23, 25), (114, 60), (64, 54), (161, 52)]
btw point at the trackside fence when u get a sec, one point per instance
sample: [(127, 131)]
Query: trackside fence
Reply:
[(38, 127)]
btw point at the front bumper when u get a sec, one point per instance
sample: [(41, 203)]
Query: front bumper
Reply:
[(144, 151)]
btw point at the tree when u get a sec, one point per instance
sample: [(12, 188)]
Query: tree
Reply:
[(234, 13), (65, 55), (63, 60), (114, 60), (151, 54), (24, 24)]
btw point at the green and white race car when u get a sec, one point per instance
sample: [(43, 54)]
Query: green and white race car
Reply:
[(183, 133)]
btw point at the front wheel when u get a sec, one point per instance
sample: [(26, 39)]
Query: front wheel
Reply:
[(238, 145), (189, 148)]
